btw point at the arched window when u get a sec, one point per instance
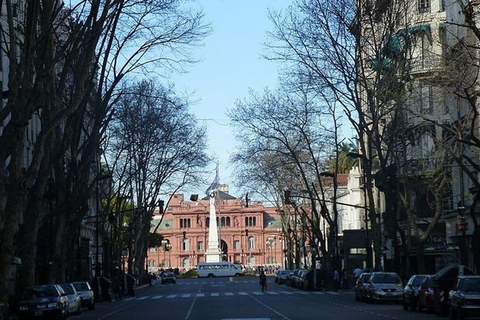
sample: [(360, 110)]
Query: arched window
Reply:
[(207, 221), (251, 243), (228, 222), (250, 221), (185, 223), (186, 244)]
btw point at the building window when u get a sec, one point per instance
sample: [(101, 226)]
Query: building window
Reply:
[(225, 222), (425, 99), (251, 243), (200, 246), (423, 6), (236, 244), (185, 223), (442, 5), (186, 245), (250, 221)]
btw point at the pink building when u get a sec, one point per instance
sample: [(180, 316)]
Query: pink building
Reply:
[(248, 235)]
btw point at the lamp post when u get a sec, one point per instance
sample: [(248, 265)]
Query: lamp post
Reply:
[(335, 215), (462, 227)]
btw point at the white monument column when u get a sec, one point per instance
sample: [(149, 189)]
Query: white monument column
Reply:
[(213, 253)]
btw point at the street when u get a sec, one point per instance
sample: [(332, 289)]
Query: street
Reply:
[(241, 298)]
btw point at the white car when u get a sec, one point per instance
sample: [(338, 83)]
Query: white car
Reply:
[(74, 304), (86, 294)]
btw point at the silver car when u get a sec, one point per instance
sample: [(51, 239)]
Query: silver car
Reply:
[(86, 294), (74, 304), (384, 286)]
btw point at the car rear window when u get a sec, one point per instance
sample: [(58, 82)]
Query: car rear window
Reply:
[(418, 280), (81, 286)]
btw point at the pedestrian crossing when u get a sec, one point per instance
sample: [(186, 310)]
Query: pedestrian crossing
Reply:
[(228, 294)]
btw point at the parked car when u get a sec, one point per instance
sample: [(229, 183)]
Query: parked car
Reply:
[(300, 280), (294, 279), (361, 286), (85, 291), (44, 301), (465, 297), (74, 303), (384, 286), (426, 299), (410, 292), (281, 276), (309, 280), (169, 277), (442, 282)]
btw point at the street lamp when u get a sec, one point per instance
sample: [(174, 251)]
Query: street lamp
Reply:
[(335, 213)]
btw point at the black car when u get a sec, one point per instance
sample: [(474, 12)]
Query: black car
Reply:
[(281, 276), (43, 302), (311, 280), (361, 287), (169, 277), (411, 290), (465, 298)]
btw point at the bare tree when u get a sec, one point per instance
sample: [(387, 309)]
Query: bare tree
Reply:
[(64, 69), (345, 49), (293, 141), (155, 147)]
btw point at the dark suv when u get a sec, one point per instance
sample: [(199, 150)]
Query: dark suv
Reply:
[(43, 302), (411, 291), (465, 297)]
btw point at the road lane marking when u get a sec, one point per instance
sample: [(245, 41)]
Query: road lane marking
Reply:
[(143, 298), (243, 293), (157, 297), (200, 295), (128, 299), (186, 295), (171, 296), (214, 294), (228, 293)]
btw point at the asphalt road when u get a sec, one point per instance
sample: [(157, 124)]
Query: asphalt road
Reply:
[(242, 298)]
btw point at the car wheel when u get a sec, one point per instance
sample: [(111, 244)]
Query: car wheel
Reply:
[(413, 306), (79, 310)]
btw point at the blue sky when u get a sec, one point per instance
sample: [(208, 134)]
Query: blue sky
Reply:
[(231, 64)]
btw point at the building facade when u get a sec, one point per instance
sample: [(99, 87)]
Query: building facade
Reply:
[(249, 234)]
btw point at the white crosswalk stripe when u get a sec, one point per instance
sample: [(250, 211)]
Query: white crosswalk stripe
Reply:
[(230, 294)]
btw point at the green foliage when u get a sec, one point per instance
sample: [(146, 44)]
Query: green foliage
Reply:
[(190, 273), (345, 163), (155, 240)]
